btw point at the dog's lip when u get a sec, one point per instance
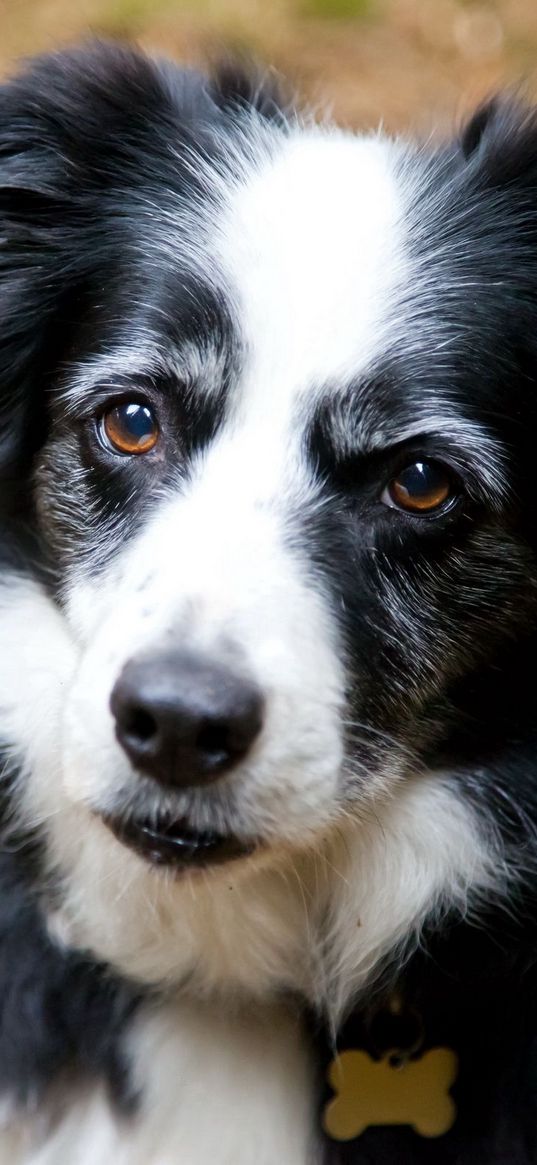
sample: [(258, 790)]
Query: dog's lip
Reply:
[(169, 841)]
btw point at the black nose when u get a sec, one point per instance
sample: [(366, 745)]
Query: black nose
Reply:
[(184, 721)]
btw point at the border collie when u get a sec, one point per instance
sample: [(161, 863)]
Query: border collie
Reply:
[(267, 622)]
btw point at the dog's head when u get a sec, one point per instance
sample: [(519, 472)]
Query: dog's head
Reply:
[(268, 397)]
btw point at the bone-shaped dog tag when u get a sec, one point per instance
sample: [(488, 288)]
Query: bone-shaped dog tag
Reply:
[(387, 1092)]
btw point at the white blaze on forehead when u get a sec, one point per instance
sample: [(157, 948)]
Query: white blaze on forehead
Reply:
[(313, 244)]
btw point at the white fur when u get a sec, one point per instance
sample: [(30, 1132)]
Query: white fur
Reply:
[(314, 242)]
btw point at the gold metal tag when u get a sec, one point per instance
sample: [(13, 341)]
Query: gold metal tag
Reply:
[(389, 1091)]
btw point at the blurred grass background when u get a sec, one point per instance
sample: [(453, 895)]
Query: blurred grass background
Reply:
[(418, 63)]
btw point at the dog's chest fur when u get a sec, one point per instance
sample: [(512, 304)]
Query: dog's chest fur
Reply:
[(208, 1085), (208, 1082)]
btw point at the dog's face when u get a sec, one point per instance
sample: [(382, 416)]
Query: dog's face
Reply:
[(206, 540), (288, 389)]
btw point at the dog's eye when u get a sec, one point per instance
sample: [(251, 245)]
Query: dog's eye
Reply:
[(420, 488), (129, 428)]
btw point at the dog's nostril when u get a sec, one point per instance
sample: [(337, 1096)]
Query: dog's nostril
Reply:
[(213, 742), (139, 724)]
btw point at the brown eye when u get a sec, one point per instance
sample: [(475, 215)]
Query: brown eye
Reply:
[(420, 488), (129, 428)]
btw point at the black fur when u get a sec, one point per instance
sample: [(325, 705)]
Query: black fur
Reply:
[(60, 1013)]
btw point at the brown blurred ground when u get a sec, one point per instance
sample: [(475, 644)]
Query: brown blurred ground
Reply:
[(418, 63)]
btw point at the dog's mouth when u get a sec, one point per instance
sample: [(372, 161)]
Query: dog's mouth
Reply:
[(167, 841)]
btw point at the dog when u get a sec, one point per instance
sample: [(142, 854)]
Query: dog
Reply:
[(267, 623)]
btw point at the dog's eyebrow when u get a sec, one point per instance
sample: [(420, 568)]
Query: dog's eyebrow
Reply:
[(145, 361)]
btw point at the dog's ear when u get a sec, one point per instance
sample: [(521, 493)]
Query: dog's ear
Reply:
[(501, 138), (38, 199), (31, 203), (238, 83), (478, 125)]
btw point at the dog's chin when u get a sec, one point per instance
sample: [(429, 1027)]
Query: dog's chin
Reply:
[(172, 843)]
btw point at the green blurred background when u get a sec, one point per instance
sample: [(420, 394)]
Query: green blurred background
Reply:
[(419, 63)]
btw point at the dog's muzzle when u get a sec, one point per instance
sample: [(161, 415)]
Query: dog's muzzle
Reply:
[(185, 723)]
